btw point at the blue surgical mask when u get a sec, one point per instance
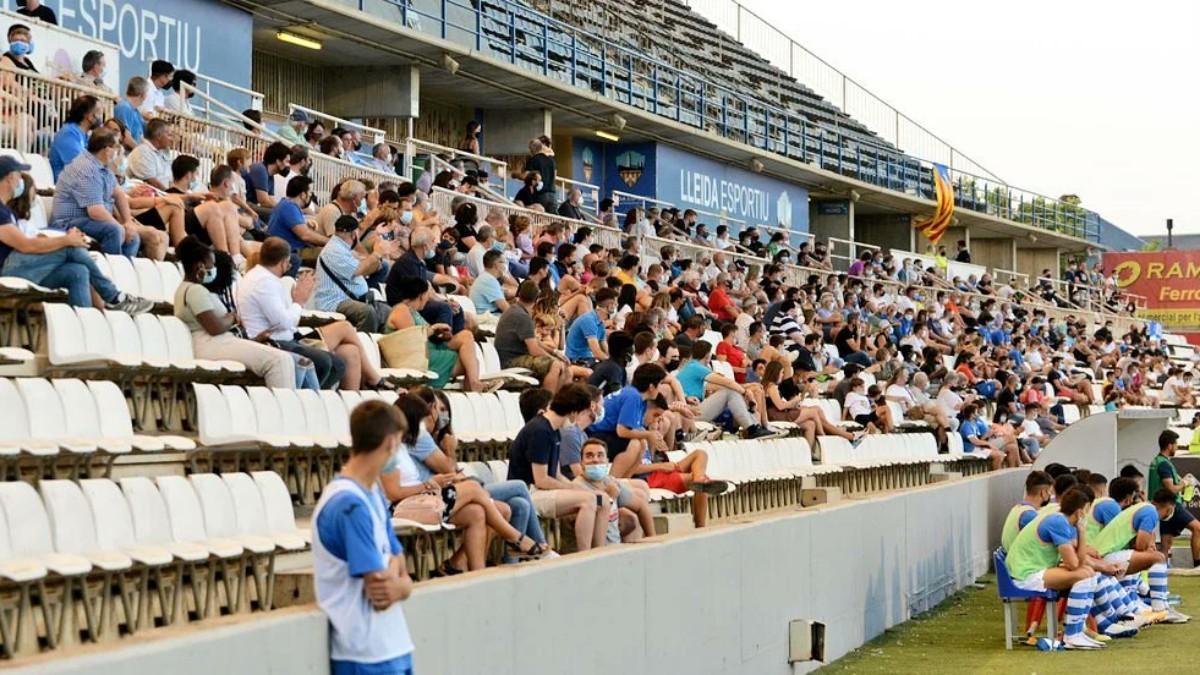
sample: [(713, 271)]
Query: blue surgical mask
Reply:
[(599, 416), (429, 254), (195, 185), (539, 186), (596, 472), (362, 208), (210, 275), (20, 189), (20, 48), (406, 217), (498, 246)]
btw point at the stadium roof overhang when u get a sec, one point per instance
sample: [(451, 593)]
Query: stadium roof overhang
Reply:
[(352, 37)]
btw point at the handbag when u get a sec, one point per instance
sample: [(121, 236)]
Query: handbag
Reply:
[(405, 348), (426, 508)]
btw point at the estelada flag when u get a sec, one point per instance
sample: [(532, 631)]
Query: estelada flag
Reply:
[(934, 227)]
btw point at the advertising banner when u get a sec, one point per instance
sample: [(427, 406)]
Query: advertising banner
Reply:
[(1170, 282)]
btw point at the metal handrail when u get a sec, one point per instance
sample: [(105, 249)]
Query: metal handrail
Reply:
[(377, 135), (413, 145), (33, 107), (627, 76), (230, 112)]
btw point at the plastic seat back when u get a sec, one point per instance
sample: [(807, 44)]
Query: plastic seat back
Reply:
[(179, 338), (216, 505), (149, 279), (491, 357), (14, 418), (276, 501), (84, 420), (171, 276), (247, 503), (151, 523), (64, 334), (511, 402), (152, 337), (242, 418), (292, 411), (468, 305), (213, 417), (97, 335), (371, 349), (70, 515), (43, 406), (461, 412), (112, 409), (40, 172), (125, 335), (351, 399), (124, 276), (184, 513), (335, 412), (28, 525), (110, 513), (266, 415)]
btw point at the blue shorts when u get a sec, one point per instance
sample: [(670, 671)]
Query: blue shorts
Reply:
[(398, 666)]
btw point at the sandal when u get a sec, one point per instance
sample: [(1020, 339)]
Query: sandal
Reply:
[(530, 552), (445, 570)]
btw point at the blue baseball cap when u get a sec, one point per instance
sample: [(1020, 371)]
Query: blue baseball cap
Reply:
[(9, 164)]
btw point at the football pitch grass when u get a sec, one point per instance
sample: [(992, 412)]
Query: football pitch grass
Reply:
[(965, 634)]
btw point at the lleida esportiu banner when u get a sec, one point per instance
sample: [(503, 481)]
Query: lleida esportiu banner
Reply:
[(1169, 280)]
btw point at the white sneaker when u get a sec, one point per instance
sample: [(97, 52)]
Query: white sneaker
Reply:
[(1081, 641), (1121, 629), (1146, 618), (1174, 616), (1184, 571)]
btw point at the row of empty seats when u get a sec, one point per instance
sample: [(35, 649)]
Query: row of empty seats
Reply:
[(123, 556), (69, 427)]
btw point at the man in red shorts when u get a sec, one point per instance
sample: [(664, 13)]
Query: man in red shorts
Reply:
[(689, 473)]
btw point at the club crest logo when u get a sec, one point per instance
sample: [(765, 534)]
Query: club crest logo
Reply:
[(589, 161), (630, 166), (783, 209)]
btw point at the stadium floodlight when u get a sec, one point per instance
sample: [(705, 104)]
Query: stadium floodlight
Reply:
[(298, 40), (755, 165), (607, 135), (450, 64), (616, 121)]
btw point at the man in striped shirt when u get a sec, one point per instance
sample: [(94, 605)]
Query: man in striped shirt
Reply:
[(87, 197)]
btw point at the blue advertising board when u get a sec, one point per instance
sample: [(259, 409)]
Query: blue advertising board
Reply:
[(204, 36), (690, 181)]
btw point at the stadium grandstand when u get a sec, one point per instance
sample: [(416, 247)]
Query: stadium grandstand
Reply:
[(402, 336)]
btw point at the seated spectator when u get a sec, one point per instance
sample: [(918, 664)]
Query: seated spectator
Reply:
[(718, 394), (35, 9), (533, 458), (161, 74), (260, 179), (211, 324), (82, 117), (450, 354), (126, 109), (977, 437), (53, 262), (422, 473), (573, 206), (177, 99), (623, 523), (356, 555), (513, 493), (87, 197), (413, 264), (381, 158), (266, 307), (487, 291), (349, 199), (810, 419), (585, 339), (517, 344), (289, 223), (92, 72), (292, 131), (609, 375), (150, 161), (531, 188), (342, 271)]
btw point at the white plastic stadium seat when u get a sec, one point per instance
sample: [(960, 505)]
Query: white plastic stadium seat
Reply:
[(278, 504), (29, 531), (114, 523), (72, 525), (186, 517), (152, 524), (220, 514), (252, 512)]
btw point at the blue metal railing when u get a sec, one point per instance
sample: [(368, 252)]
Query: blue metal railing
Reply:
[(512, 32)]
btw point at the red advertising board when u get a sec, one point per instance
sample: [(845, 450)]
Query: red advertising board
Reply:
[(1170, 282)]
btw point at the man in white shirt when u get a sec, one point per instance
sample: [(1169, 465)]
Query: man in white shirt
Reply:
[(269, 312), (161, 73), (483, 244), (150, 161)]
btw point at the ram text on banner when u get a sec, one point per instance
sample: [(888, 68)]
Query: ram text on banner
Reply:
[(1169, 280)]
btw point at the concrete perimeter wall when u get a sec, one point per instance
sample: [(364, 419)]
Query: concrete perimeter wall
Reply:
[(715, 602)]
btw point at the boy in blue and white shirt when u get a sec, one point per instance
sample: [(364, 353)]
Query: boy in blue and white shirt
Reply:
[(358, 564)]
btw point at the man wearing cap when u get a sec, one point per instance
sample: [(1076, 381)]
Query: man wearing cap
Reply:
[(341, 277), (56, 262), (292, 133)]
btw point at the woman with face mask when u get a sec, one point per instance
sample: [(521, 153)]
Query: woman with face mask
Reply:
[(211, 324)]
